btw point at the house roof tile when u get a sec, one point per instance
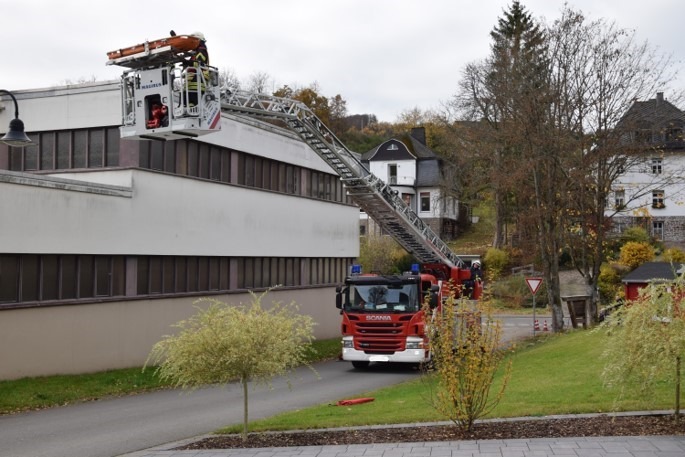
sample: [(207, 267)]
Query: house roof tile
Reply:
[(654, 272)]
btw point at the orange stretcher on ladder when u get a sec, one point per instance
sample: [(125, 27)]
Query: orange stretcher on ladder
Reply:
[(179, 43)]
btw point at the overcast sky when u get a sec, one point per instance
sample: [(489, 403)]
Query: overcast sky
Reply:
[(382, 56)]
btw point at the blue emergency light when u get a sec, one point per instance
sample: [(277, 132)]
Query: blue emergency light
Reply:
[(415, 268), (355, 269)]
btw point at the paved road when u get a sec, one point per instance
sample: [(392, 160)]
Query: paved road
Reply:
[(117, 426), (517, 327)]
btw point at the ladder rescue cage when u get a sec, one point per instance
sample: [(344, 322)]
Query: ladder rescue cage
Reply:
[(164, 96)]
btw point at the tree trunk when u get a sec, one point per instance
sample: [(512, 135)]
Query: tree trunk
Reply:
[(554, 293), (244, 383), (592, 316), (498, 240), (677, 390)]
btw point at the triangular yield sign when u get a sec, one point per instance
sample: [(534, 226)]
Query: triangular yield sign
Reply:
[(533, 284)]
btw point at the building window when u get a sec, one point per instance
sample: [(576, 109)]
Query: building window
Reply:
[(658, 230), (619, 199), (658, 199), (425, 202), (392, 174), (68, 149), (407, 199), (656, 166), (36, 278)]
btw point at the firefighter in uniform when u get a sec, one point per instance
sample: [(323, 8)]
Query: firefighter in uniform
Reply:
[(195, 75)]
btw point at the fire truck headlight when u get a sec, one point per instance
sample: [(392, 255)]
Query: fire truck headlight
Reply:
[(414, 345), (348, 343)]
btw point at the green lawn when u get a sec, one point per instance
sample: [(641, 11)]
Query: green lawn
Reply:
[(49, 391), (555, 374)]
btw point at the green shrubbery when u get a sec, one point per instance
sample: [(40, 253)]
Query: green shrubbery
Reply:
[(674, 255), (512, 292), (635, 253), (496, 260), (609, 282)]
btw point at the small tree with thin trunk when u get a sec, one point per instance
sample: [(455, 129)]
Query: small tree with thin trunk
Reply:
[(466, 354), (224, 343), (646, 341)]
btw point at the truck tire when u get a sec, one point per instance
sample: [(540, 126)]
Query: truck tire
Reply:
[(360, 365)]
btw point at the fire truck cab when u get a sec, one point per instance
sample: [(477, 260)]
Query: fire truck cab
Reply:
[(383, 317)]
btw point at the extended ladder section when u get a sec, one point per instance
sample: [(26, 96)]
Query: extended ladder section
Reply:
[(370, 193)]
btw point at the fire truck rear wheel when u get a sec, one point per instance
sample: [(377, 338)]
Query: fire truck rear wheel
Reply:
[(360, 365)]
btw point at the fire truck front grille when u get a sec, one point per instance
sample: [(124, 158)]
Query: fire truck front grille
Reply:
[(379, 337), (379, 328)]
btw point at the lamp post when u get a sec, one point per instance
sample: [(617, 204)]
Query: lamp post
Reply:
[(16, 135)]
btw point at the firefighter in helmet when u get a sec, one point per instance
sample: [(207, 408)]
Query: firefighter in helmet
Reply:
[(476, 277), (196, 72)]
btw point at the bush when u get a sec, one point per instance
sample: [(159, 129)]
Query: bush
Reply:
[(633, 254), (674, 255), (383, 255), (496, 260), (513, 292), (609, 283), (636, 234)]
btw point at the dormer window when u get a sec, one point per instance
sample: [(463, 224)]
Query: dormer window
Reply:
[(393, 147)]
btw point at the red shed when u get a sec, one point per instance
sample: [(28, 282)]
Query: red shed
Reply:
[(650, 272)]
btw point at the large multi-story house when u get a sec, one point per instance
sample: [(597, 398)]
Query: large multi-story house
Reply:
[(415, 172), (651, 190)]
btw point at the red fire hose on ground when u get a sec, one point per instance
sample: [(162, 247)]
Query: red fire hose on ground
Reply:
[(354, 401)]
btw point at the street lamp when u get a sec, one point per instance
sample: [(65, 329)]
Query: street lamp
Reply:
[(16, 135)]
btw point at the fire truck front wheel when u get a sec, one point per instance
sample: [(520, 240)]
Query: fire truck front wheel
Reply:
[(360, 364)]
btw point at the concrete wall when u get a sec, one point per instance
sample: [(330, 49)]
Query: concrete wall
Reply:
[(109, 335), (170, 215)]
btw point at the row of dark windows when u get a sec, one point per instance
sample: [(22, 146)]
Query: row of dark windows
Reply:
[(27, 278), (203, 160), (68, 149), (99, 148), (32, 277)]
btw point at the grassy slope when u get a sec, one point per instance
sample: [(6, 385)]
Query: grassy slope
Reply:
[(557, 374)]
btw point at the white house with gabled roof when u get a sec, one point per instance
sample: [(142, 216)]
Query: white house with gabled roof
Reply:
[(415, 172)]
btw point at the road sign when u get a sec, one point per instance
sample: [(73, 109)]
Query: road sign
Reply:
[(533, 284)]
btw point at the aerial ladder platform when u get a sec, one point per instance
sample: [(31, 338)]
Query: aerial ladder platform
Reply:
[(369, 192), (164, 94)]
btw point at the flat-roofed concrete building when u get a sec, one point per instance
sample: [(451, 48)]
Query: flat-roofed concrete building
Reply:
[(104, 243)]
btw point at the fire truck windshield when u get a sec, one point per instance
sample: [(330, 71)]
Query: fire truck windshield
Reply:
[(383, 298)]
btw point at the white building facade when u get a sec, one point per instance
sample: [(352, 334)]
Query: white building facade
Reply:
[(651, 190), (415, 172), (104, 243)]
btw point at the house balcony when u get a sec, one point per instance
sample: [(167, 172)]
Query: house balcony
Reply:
[(402, 181)]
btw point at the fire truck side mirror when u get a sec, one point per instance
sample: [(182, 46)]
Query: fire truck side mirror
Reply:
[(338, 297), (435, 294)]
